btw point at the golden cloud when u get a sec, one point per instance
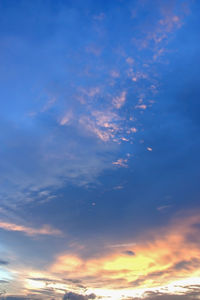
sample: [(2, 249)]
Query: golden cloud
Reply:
[(164, 256)]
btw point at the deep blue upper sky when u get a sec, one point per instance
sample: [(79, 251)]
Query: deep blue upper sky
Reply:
[(99, 123)]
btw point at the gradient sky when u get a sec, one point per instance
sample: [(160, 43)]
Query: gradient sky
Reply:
[(99, 149)]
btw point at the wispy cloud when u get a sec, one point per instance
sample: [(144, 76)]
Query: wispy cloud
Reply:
[(65, 120), (45, 230), (119, 101)]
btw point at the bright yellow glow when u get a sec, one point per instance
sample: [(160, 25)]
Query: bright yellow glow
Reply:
[(165, 260), (32, 284), (159, 260), (132, 264)]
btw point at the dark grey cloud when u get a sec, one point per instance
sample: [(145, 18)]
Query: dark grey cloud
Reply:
[(77, 281), (74, 296), (192, 294), (43, 279), (3, 262), (187, 264), (129, 252), (160, 296)]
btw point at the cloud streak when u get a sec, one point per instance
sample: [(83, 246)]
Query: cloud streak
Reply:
[(45, 230)]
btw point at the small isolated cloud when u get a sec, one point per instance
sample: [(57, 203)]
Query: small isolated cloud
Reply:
[(122, 245), (120, 162), (141, 106), (129, 252), (74, 296), (164, 208), (133, 129), (66, 119), (130, 60), (45, 230), (119, 101)]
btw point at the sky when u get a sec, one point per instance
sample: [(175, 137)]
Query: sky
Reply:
[(99, 149)]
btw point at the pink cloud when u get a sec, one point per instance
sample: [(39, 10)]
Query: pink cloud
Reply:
[(118, 102), (121, 162), (66, 118), (45, 230)]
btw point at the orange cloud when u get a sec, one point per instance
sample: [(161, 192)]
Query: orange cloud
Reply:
[(163, 261), (168, 255), (45, 230)]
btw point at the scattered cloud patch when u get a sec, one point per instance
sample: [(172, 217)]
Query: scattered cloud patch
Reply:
[(121, 162), (119, 101)]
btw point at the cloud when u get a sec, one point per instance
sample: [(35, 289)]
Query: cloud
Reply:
[(193, 294), (44, 154), (105, 125), (187, 264), (119, 101), (66, 119), (129, 252), (16, 298), (4, 281), (164, 208), (45, 230), (122, 245), (121, 162), (74, 296), (35, 164), (3, 262), (53, 151), (162, 257), (141, 106)]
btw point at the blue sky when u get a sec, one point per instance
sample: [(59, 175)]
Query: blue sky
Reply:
[(99, 155)]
